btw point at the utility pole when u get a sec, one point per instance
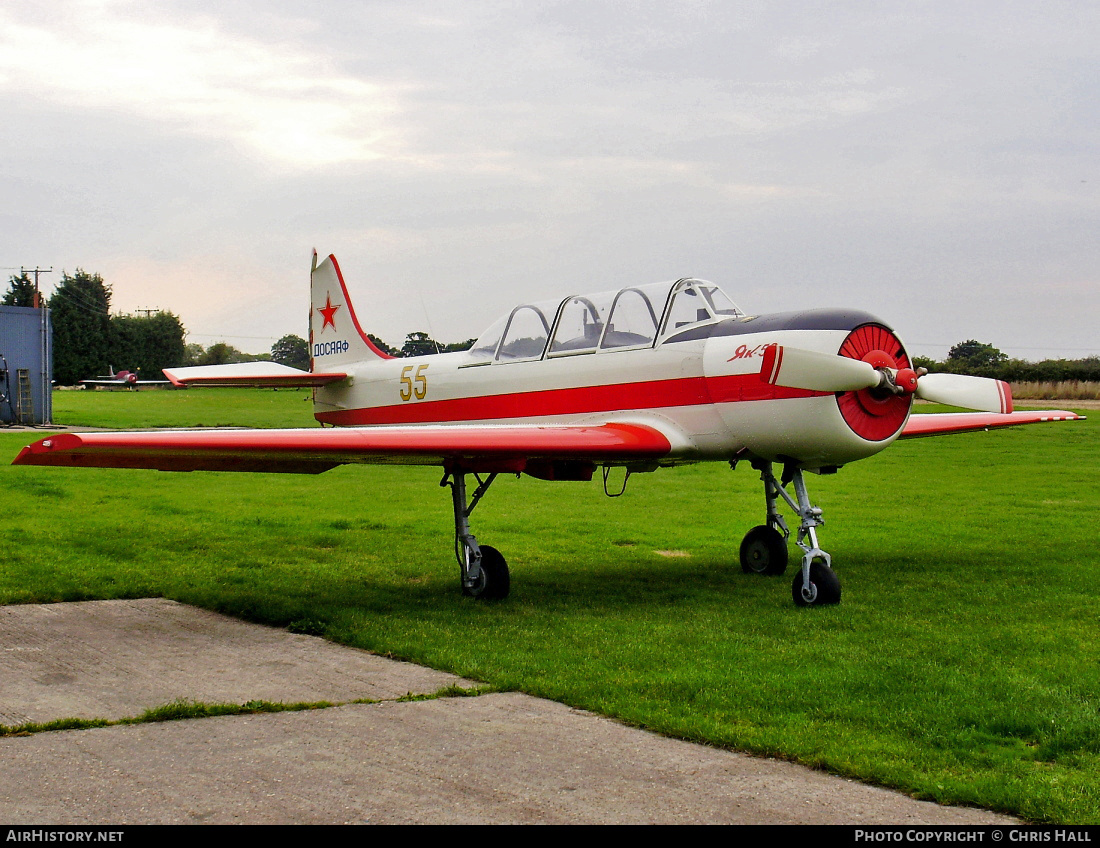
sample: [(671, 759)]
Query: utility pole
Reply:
[(37, 292)]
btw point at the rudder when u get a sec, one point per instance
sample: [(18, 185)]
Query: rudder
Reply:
[(335, 335)]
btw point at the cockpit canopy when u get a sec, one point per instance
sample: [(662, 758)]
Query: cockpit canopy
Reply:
[(625, 319)]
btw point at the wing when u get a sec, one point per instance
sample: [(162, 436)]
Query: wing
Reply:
[(541, 450), (939, 424), (265, 374)]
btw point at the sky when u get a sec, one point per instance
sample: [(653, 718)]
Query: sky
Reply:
[(934, 163)]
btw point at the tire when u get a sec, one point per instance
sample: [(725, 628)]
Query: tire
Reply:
[(494, 583), (763, 551), (824, 586)]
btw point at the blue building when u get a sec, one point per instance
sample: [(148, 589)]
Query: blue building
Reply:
[(26, 366)]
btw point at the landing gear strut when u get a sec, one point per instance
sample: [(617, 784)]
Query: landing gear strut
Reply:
[(764, 548), (484, 571)]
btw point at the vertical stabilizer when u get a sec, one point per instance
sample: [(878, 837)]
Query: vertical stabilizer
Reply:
[(336, 338)]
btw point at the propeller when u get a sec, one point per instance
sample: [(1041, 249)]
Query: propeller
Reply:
[(968, 392), (797, 368)]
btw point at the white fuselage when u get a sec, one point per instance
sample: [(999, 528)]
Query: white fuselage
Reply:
[(705, 394)]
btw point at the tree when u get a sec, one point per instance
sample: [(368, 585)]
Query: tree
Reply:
[(926, 362), (974, 355), (192, 353), (293, 351), (221, 353), (80, 314), (147, 344), (20, 292), (382, 346), (419, 344)]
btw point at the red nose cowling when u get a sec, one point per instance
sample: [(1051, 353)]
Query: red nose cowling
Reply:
[(874, 414)]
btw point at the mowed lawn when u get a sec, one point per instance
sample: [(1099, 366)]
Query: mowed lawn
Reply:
[(963, 664)]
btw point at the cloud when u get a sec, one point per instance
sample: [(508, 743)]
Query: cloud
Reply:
[(471, 155), (280, 102)]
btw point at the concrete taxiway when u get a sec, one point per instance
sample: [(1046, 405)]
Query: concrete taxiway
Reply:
[(491, 758)]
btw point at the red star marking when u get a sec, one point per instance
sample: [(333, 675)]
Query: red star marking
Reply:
[(328, 311)]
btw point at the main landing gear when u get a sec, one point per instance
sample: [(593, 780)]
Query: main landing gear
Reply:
[(764, 548), (484, 570)]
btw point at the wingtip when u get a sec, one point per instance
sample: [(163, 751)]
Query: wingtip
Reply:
[(173, 379), (44, 451)]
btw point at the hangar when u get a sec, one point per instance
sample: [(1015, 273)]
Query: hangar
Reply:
[(26, 366)]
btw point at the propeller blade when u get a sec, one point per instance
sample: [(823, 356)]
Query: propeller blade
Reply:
[(979, 393), (796, 368)]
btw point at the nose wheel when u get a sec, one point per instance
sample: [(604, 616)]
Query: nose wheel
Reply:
[(764, 548), (493, 581), (823, 586)]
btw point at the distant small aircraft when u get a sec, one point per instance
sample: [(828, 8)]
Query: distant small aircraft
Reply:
[(638, 378), (121, 379)]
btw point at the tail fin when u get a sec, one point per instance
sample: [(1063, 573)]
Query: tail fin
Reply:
[(335, 337)]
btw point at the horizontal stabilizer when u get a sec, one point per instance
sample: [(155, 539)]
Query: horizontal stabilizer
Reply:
[(264, 374), (940, 424), (510, 448)]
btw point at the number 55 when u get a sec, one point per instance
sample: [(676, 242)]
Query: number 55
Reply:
[(415, 386)]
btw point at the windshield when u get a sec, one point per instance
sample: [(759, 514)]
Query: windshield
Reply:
[(519, 335), (622, 319), (696, 302)]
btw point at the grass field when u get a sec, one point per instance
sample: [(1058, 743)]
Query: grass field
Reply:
[(962, 666), (174, 408)]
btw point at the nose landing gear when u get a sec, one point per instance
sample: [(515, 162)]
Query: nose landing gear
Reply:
[(764, 548)]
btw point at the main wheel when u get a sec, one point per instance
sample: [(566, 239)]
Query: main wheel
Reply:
[(824, 586), (494, 582), (763, 551)]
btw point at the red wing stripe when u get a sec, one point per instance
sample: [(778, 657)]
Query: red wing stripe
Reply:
[(320, 449), (938, 424)]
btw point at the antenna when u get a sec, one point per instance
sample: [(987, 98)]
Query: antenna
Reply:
[(428, 321)]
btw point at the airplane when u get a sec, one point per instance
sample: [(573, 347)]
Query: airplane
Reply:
[(127, 379), (639, 378)]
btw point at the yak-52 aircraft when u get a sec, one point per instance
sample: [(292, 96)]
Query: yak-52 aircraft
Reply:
[(639, 378), (121, 379)]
